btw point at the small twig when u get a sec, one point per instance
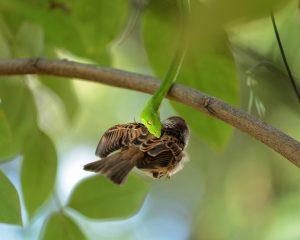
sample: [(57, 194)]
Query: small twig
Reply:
[(272, 137), (284, 56)]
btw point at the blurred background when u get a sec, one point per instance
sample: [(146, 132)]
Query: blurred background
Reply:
[(232, 187)]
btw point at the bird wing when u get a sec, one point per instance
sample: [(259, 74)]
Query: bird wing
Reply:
[(162, 160), (122, 135), (155, 146)]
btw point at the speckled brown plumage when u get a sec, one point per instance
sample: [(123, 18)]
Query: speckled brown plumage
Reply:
[(125, 146)]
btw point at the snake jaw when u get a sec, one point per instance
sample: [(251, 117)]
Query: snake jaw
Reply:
[(153, 124)]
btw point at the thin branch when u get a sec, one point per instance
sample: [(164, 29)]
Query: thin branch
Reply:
[(289, 71), (272, 137)]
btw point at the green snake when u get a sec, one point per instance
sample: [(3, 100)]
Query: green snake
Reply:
[(150, 116)]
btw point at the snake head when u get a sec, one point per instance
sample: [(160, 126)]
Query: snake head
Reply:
[(152, 121)]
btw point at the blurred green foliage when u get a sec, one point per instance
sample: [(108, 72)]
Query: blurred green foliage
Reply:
[(60, 227), (66, 93), (5, 133), (112, 201), (79, 25), (10, 211), (248, 192), (39, 168), (17, 103)]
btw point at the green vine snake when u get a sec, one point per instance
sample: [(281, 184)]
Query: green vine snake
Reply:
[(150, 116)]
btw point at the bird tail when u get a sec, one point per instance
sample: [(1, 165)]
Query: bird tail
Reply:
[(115, 167)]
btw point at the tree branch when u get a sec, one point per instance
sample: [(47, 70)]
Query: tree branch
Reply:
[(272, 137)]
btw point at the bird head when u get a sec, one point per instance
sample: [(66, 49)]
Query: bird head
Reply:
[(177, 126)]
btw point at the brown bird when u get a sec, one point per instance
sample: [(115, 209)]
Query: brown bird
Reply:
[(126, 146)]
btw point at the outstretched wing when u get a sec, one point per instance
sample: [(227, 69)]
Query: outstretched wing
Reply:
[(156, 146), (119, 136)]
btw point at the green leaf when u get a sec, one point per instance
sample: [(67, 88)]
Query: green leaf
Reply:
[(4, 47), (29, 41), (61, 227), (5, 132), (5, 31), (84, 28), (38, 170), (16, 104), (64, 89), (95, 25), (57, 24), (10, 210), (97, 197), (19, 108)]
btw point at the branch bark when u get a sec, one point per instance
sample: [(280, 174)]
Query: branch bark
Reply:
[(272, 137)]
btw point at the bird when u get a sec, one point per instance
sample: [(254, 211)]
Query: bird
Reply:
[(125, 146)]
